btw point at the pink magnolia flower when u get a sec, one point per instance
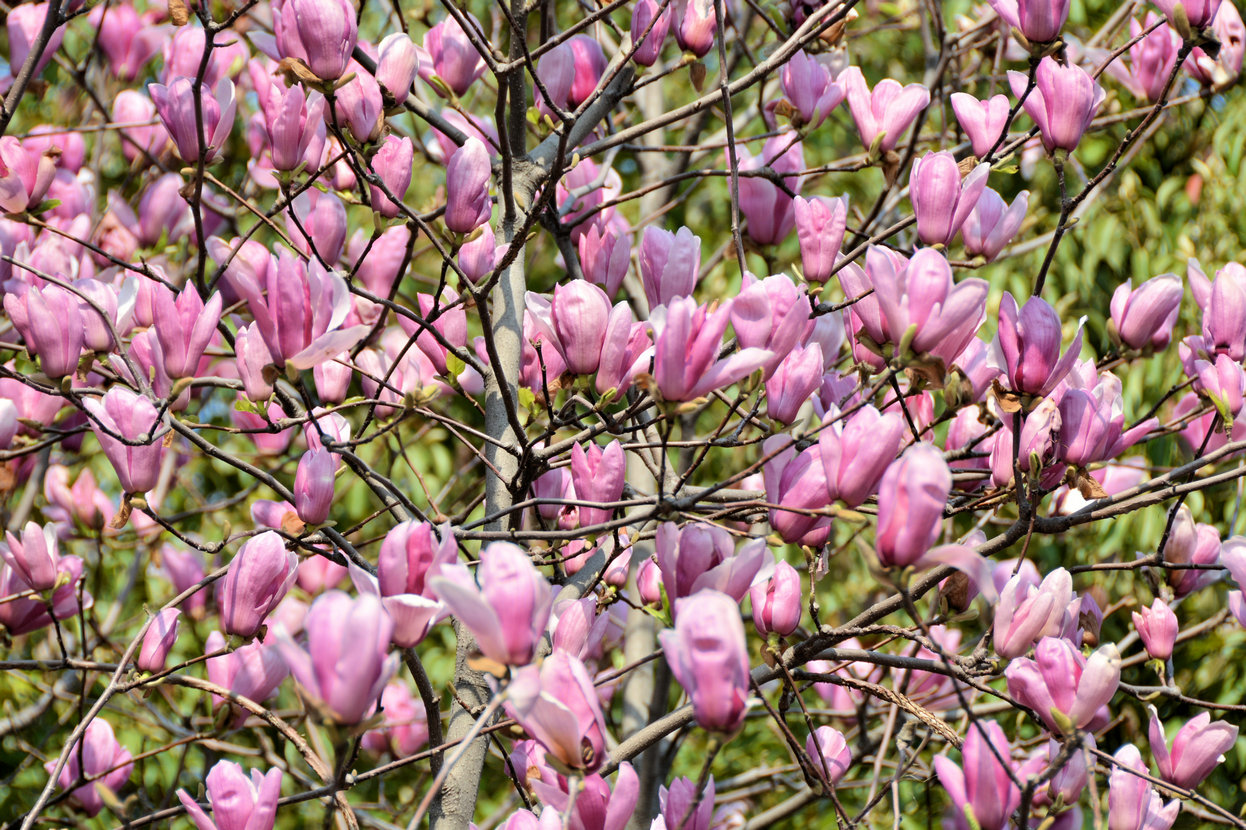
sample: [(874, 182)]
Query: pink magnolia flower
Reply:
[(982, 121), (321, 33), (507, 614), (1196, 750), (236, 801), (709, 658), (557, 704), (258, 578), (101, 755), (1065, 689), (883, 114), (345, 665), (1063, 103), (159, 640), (982, 786), (175, 104), (687, 339)]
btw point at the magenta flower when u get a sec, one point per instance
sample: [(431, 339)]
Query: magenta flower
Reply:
[(911, 499), (1223, 383), (100, 755), (598, 476), (316, 223), (777, 602), (921, 307), (771, 314), (670, 264), (392, 165), (411, 554), (137, 453), (643, 18), (252, 357), (175, 104), (556, 71), (941, 200), (405, 728), (414, 615), (588, 65), (1151, 59), (300, 316), (596, 806), (258, 578), (451, 56), (768, 209), (1198, 13), (557, 704), (1040, 438), (1197, 748), (478, 256), (1065, 689), (313, 486), (992, 223), (158, 641), (1191, 544), (25, 173), (885, 113), (1224, 308), (677, 802), (829, 752), (52, 324), (22, 616), (855, 452), (24, 22), (252, 671), (1133, 803), (1063, 103), (982, 121), (35, 557), (361, 109), (795, 380), (237, 802), (796, 483), (1027, 346), (344, 667), (982, 789), (605, 255), (98, 304), (820, 226), (320, 33), (1225, 68), (184, 325), (708, 656), (1144, 317), (1092, 424), (698, 25), (467, 187), (293, 121), (1157, 626), (507, 614), (397, 64), (701, 556), (450, 322), (1040, 21), (575, 319), (687, 339), (810, 88), (1026, 612)]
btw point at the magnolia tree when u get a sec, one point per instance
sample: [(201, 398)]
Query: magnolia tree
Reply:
[(539, 416)]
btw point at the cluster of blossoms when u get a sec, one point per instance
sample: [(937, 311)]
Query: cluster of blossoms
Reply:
[(324, 356)]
